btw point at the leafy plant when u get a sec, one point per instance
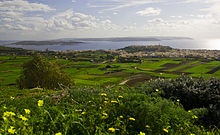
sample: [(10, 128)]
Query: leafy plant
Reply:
[(192, 93), (43, 74)]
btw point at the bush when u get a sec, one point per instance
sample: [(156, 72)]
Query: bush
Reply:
[(192, 93), (43, 74), (99, 112)]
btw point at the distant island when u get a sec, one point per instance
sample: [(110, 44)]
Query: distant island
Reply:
[(121, 39), (73, 41), (138, 51), (46, 42)]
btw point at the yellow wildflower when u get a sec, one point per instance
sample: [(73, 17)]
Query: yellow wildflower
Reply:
[(141, 133), (192, 134), (157, 90), (103, 94), (105, 102), (12, 97), (165, 130), (189, 111), (178, 100), (114, 101), (120, 96), (83, 113), (194, 117), (89, 101), (22, 117), (40, 103), (11, 130), (4, 107), (105, 114), (7, 114), (147, 126), (112, 129), (121, 117), (59, 133), (132, 119), (27, 111), (106, 98)]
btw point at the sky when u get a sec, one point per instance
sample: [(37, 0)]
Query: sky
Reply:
[(54, 19)]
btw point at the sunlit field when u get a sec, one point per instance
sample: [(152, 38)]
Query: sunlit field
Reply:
[(113, 98)]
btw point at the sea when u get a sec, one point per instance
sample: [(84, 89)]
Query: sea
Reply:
[(209, 44)]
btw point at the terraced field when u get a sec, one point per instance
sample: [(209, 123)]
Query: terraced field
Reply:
[(86, 73)]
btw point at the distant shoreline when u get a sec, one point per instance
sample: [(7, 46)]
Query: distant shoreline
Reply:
[(45, 43), (72, 41)]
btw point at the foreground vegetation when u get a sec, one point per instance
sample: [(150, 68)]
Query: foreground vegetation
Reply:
[(118, 110), (111, 95)]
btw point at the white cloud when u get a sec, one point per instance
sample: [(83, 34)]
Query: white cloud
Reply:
[(19, 15), (71, 20), (26, 18), (157, 20), (198, 1), (179, 16), (23, 6), (190, 1), (214, 9), (114, 5), (33, 20), (149, 12)]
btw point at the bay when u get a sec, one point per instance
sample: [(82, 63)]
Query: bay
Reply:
[(210, 44)]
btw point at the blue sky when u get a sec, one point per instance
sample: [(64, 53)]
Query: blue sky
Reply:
[(52, 19)]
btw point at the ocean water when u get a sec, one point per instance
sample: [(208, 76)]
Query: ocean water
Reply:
[(212, 44)]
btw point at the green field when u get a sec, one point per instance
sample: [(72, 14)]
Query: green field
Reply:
[(106, 98), (87, 73)]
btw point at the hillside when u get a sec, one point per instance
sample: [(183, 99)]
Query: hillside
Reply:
[(148, 48), (111, 94)]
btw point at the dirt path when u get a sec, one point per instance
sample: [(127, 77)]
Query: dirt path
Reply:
[(174, 65), (137, 78), (193, 65), (4, 61), (214, 70), (124, 82)]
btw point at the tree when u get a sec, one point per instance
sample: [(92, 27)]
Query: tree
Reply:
[(43, 74)]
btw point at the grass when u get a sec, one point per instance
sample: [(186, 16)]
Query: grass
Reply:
[(92, 74), (154, 65), (203, 68), (10, 69), (217, 73), (183, 66), (83, 109), (96, 111)]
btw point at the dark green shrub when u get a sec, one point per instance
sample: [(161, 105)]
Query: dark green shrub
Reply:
[(156, 112), (43, 74), (192, 93)]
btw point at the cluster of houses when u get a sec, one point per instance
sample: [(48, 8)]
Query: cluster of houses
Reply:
[(168, 53)]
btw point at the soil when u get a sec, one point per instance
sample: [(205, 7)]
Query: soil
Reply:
[(169, 66), (135, 81), (137, 78), (193, 65), (213, 70), (4, 61)]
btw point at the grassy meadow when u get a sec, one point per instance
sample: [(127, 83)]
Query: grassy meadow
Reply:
[(87, 73), (111, 97)]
